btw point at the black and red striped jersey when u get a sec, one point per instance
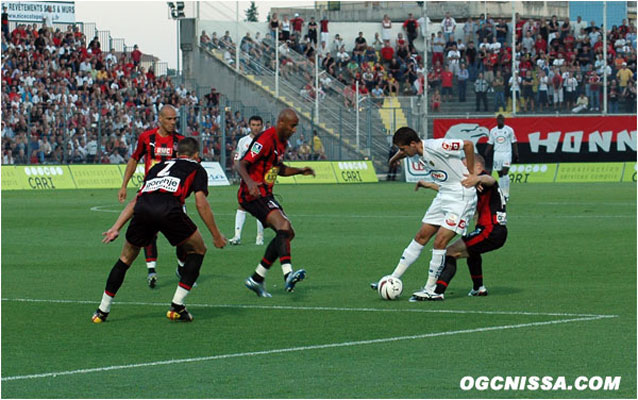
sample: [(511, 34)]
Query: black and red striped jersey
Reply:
[(178, 176), (155, 147), (265, 157), (491, 206)]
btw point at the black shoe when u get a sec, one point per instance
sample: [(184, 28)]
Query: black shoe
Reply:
[(179, 313), (99, 316)]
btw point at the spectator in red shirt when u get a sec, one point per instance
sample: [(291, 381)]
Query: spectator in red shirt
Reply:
[(136, 55), (411, 27), (387, 52), (540, 44), (446, 83), (324, 36), (297, 24)]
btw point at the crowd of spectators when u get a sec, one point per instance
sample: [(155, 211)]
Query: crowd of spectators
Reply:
[(64, 101), (556, 61)]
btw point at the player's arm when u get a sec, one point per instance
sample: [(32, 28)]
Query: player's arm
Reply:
[(426, 185), (398, 156), (114, 231), (253, 187), (481, 181), (468, 148), (206, 213), (128, 174), (289, 171), (515, 152)]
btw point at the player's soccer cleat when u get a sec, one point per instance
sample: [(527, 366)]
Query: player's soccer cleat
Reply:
[(426, 295), (293, 278), (482, 291), (235, 241), (99, 316), (259, 241), (374, 285), (151, 279), (178, 273), (179, 313), (258, 288)]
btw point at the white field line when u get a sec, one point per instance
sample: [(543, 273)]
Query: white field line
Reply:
[(321, 308), (296, 349), (341, 216)]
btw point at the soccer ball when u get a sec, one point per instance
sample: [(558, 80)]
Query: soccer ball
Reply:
[(389, 287)]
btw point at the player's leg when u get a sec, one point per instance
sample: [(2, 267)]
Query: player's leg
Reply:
[(194, 249), (475, 265), (259, 240), (453, 252), (504, 180), (285, 233), (115, 280), (413, 251), (240, 219), (150, 253)]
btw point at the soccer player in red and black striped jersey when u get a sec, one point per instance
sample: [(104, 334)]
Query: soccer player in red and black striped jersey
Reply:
[(158, 207), (490, 232), (259, 169), (155, 145)]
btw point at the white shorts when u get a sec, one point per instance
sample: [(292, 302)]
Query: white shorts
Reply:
[(452, 211), (501, 160), (325, 37)]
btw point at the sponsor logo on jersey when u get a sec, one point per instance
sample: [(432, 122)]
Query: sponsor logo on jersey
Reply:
[(451, 219), (163, 151), (256, 148), (438, 175), (462, 224), (451, 146), (271, 175), (167, 183), (500, 139)]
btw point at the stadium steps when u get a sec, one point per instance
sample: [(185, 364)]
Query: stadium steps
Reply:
[(392, 114)]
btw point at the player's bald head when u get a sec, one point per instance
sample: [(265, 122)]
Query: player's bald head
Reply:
[(166, 110), (287, 115)]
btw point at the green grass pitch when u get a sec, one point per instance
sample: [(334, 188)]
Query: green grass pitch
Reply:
[(562, 301)]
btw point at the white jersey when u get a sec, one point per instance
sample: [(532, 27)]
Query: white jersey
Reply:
[(242, 147), (502, 139), (443, 162)]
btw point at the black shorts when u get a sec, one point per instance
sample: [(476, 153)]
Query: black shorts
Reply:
[(482, 240), (159, 212), (261, 207)]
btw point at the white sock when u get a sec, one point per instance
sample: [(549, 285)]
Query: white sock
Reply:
[(261, 270), (436, 266), (151, 264), (240, 218), (504, 183), (286, 268), (410, 255), (105, 305), (180, 295), (260, 229)]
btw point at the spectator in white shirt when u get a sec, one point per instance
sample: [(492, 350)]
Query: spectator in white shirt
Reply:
[(449, 26)]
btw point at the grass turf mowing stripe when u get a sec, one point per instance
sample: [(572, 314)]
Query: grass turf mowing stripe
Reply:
[(300, 348), (320, 308)]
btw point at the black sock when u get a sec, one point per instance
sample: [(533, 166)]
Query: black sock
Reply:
[(283, 246), (190, 273), (150, 251), (116, 278), (446, 275), (475, 264)]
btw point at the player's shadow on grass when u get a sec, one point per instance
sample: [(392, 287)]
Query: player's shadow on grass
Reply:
[(493, 291)]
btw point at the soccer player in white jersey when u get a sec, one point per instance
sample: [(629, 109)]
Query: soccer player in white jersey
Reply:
[(503, 141), (256, 125), (452, 208)]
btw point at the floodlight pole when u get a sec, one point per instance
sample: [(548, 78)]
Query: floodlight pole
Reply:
[(178, 38), (316, 87), (356, 105), (605, 58), (514, 77), (424, 97), (237, 36), (277, 63)]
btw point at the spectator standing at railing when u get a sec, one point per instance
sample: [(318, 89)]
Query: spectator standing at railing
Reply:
[(325, 35), (624, 75), (448, 26), (461, 77), (570, 84), (136, 55), (629, 97), (543, 86), (273, 25), (481, 87), (312, 30), (285, 29), (386, 28), (5, 23), (411, 27), (297, 24), (469, 30), (528, 91)]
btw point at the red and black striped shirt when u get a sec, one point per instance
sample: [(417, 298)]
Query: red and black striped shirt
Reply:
[(491, 206), (155, 147), (265, 157), (179, 177)]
